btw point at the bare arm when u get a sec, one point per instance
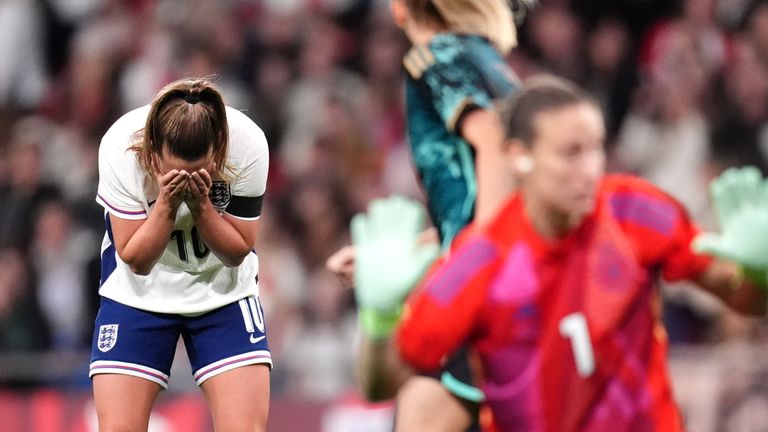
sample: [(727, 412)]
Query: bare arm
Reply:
[(726, 280), (342, 264), (380, 370), (484, 131), (140, 243), (229, 238)]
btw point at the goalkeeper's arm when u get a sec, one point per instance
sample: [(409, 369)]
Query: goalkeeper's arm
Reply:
[(380, 369), (738, 287), (389, 260), (738, 273)]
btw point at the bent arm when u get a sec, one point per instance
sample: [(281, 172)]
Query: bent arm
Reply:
[(231, 239), (438, 317), (140, 243)]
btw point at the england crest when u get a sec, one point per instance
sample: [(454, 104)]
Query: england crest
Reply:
[(220, 195), (107, 337)]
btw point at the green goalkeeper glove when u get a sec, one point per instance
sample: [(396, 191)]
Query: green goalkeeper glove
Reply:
[(740, 198), (389, 260)]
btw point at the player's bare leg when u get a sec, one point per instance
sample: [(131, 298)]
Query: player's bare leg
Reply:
[(239, 399), (424, 405), (123, 402)]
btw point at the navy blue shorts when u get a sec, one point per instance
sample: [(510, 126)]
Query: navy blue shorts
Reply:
[(135, 342)]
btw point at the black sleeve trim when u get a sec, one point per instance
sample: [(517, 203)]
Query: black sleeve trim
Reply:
[(245, 207), (461, 114)]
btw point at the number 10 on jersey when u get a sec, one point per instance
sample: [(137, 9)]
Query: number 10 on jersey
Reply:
[(199, 248)]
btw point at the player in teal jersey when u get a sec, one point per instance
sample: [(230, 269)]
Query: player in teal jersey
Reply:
[(452, 81), (456, 72)]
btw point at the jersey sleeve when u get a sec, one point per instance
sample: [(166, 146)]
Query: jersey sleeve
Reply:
[(455, 87), (681, 262), (118, 189), (443, 311), (660, 227), (250, 182)]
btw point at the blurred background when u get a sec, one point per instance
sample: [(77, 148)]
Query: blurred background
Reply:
[(684, 84)]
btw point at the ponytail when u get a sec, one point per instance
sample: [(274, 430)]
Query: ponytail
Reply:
[(491, 19), (187, 119)]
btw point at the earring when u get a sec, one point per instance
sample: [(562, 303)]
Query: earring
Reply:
[(524, 164)]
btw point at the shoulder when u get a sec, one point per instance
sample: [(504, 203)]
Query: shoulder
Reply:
[(627, 184), (473, 253), (444, 50), (246, 139), (417, 60), (477, 244), (118, 139), (239, 121), (466, 62), (636, 201), (123, 132)]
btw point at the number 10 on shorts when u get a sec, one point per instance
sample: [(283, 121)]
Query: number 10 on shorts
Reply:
[(253, 317)]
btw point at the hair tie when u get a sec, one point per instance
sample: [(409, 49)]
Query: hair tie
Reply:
[(192, 98)]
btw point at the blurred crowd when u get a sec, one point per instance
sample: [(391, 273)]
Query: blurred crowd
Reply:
[(684, 85)]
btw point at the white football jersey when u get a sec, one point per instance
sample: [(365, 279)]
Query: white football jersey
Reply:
[(188, 278)]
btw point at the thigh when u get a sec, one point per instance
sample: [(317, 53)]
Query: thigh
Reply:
[(130, 341), (227, 338), (239, 399), (425, 405), (123, 402), (451, 392)]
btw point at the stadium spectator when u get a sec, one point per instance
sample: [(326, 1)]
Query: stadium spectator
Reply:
[(22, 326)]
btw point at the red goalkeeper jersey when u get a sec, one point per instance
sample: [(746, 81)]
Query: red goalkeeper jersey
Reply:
[(567, 331)]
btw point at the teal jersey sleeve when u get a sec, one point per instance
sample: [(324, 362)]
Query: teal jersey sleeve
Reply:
[(459, 73)]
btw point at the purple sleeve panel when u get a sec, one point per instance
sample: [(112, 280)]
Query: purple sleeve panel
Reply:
[(462, 266)]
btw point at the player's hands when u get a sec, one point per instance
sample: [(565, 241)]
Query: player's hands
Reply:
[(199, 185), (389, 260), (173, 187), (740, 199), (342, 264)]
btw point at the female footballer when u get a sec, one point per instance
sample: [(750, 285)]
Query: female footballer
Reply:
[(181, 182)]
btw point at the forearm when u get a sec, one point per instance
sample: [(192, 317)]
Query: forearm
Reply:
[(494, 184), (484, 131), (727, 281), (144, 248), (380, 372), (221, 236)]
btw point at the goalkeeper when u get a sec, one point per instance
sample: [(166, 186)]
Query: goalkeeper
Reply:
[(557, 294)]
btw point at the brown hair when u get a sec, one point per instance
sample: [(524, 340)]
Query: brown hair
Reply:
[(488, 18), (539, 94), (188, 119)]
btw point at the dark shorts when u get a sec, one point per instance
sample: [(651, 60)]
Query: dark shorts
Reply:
[(135, 342), (458, 377)]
